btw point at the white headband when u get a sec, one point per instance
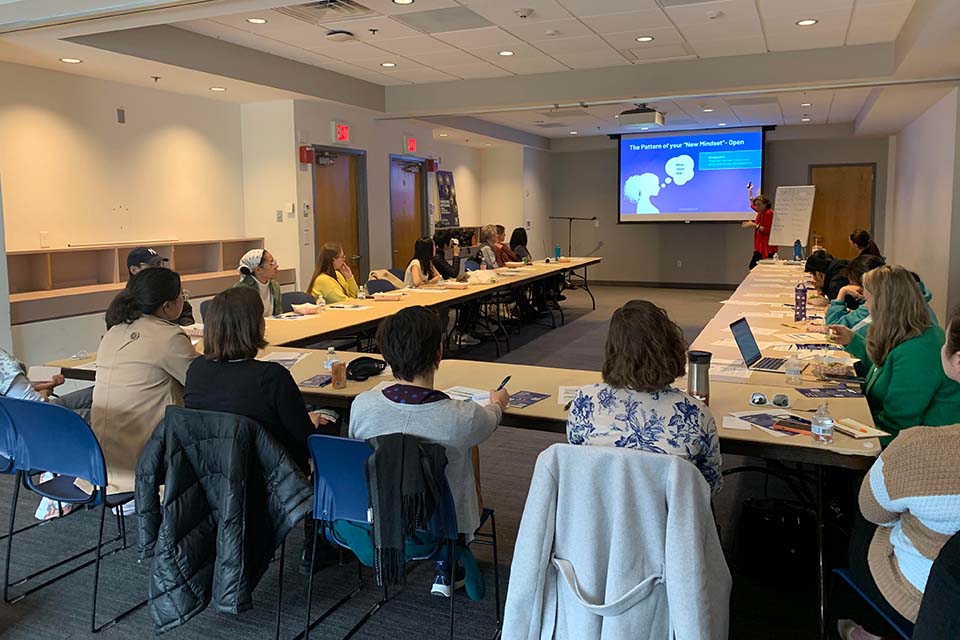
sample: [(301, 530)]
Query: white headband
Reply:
[(251, 260)]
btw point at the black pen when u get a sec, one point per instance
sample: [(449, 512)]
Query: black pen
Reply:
[(566, 407), (504, 383)]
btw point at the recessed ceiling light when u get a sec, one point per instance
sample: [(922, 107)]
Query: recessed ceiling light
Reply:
[(444, 135), (505, 53), (218, 88), (645, 39), (708, 110), (71, 60), (403, 1), (809, 22), (804, 119), (388, 64), (721, 124), (806, 104), (257, 20)]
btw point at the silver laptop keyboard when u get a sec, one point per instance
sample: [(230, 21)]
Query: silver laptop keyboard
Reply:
[(770, 363)]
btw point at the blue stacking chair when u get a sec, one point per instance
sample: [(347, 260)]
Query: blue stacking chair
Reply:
[(203, 309), (50, 438), (846, 576), (341, 498), (290, 298), (398, 273), (471, 265), (379, 286)]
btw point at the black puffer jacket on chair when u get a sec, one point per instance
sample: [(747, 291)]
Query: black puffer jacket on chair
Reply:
[(231, 495)]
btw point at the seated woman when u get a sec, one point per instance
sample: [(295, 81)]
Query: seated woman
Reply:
[(488, 255), (446, 241), (905, 385), (504, 252), (258, 271), (333, 280), (908, 503), (518, 244), (636, 406), (411, 342), (848, 308), (141, 367), (420, 271), (860, 240)]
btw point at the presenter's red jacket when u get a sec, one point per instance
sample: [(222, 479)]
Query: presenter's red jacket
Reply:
[(761, 235)]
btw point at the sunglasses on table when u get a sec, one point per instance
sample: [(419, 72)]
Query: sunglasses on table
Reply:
[(759, 399)]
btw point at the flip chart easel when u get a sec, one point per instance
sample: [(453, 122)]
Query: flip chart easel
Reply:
[(791, 220)]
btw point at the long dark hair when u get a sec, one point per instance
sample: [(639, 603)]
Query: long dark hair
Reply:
[(518, 238), (144, 294), (423, 253), (861, 238), (233, 326), (860, 265)]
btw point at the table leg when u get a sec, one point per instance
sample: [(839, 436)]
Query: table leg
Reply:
[(821, 579)]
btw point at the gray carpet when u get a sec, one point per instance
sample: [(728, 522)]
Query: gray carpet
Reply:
[(62, 610)]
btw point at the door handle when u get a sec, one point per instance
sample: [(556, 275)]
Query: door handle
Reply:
[(396, 250), (355, 257)]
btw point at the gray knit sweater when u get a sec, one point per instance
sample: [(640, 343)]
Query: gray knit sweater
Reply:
[(456, 425)]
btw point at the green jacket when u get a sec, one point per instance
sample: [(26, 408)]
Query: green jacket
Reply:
[(911, 388), (251, 283)]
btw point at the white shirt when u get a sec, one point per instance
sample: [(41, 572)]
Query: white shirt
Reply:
[(266, 297)]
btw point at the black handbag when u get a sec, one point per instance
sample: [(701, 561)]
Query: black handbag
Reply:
[(365, 367)]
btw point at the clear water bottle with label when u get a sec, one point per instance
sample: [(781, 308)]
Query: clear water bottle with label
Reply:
[(362, 292), (822, 427), (776, 255), (330, 359), (794, 369), (800, 302)]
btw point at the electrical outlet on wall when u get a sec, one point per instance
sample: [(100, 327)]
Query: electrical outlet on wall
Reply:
[(528, 223), (44, 239), (279, 215), (596, 223), (679, 264)]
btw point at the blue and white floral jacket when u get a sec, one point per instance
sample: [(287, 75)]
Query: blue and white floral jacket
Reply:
[(665, 421)]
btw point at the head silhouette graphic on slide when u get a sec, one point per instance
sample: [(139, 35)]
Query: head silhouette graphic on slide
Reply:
[(640, 189)]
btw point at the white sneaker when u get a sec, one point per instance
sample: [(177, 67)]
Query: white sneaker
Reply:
[(468, 340)]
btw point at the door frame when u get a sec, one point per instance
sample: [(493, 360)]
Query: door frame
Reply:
[(363, 225), (424, 198), (873, 184)]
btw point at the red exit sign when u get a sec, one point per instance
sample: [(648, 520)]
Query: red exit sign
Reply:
[(410, 144), (341, 132)]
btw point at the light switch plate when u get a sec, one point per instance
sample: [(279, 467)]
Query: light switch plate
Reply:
[(279, 215)]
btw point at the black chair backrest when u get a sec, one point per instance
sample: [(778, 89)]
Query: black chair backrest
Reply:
[(939, 615), (287, 300), (397, 272), (203, 309), (379, 286)]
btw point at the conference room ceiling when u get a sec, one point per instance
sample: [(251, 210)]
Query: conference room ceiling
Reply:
[(441, 40)]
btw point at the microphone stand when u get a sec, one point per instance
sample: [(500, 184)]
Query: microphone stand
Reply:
[(568, 282)]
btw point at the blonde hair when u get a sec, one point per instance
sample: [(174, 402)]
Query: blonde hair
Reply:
[(488, 232), (898, 310)]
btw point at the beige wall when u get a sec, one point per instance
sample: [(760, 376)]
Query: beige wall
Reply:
[(926, 217), (501, 200), (6, 339), (379, 138), (173, 171), (537, 205)]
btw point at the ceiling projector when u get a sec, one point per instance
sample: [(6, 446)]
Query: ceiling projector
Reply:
[(640, 118)]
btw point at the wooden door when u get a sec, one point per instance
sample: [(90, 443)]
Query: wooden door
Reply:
[(406, 214), (844, 201), (337, 206)]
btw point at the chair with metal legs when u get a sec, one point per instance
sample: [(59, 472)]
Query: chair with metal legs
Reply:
[(53, 439)]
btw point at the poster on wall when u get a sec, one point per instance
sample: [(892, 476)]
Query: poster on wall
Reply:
[(447, 195)]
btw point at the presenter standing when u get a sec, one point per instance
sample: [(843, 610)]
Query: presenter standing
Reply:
[(761, 226)]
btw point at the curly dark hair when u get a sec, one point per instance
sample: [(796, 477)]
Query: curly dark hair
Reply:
[(645, 350)]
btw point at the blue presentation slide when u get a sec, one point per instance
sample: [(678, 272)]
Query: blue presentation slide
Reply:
[(691, 175)]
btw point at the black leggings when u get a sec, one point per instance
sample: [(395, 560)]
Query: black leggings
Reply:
[(757, 257), (860, 569)]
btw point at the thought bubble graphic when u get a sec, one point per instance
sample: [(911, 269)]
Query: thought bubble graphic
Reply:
[(668, 180), (680, 168)]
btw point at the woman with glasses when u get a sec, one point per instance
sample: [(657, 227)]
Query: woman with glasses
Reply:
[(333, 280), (258, 271)]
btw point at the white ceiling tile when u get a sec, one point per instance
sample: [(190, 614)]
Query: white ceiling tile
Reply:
[(388, 7), (731, 47), (476, 70), (520, 50), (665, 52), (582, 44), (877, 22), (414, 46), (765, 113), (445, 59), (422, 75), (351, 51), (725, 12), (526, 60), (477, 38), (279, 27), (805, 9), (662, 36), (386, 29), (639, 21), (592, 59), (787, 36), (846, 104), (537, 31), (603, 7), (375, 65), (503, 12)]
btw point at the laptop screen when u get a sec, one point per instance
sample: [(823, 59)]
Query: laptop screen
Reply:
[(747, 344)]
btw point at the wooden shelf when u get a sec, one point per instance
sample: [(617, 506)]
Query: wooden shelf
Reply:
[(58, 283)]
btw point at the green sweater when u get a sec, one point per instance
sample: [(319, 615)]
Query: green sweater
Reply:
[(911, 388), (251, 283)]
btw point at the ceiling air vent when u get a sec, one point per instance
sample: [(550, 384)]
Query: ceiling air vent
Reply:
[(326, 11), (552, 125)]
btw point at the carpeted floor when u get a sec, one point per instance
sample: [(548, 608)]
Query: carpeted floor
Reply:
[(761, 610)]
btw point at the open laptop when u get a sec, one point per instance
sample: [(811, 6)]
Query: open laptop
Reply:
[(750, 352)]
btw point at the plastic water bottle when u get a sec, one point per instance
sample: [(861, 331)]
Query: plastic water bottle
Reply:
[(362, 292), (797, 251), (800, 302), (776, 255), (822, 427), (330, 359), (556, 252), (794, 369)]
